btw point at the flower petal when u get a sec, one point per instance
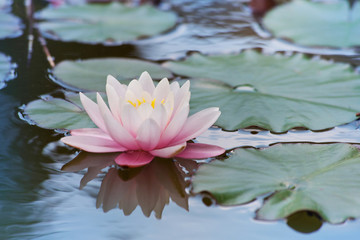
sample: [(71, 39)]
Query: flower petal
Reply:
[(92, 109), (131, 118), (114, 101), (90, 132), (93, 144), (162, 90), (115, 129), (182, 96), (134, 158), (174, 127), (175, 86), (146, 82), (200, 151), (144, 111), (159, 115), (148, 135), (119, 88), (136, 88), (197, 124), (169, 152)]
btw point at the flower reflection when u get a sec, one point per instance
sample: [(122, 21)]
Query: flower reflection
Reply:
[(149, 187)]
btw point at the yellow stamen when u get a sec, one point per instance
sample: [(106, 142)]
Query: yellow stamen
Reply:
[(139, 102), (153, 103), (134, 104)]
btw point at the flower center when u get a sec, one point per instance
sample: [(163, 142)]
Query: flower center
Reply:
[(138, 102)]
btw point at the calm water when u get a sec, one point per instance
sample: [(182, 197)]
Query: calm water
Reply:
[(39, 201)]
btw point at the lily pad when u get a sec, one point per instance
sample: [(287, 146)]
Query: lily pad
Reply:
[(91, 74), (320, 178), (103, 23), (273, 92), (57, 113), (326, 24), (10, 26)]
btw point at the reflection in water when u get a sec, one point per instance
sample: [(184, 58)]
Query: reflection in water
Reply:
[(149, 187)]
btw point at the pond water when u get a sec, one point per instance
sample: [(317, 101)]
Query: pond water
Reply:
[(39, 201)]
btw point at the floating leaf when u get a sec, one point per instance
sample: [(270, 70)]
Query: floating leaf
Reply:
[(10, 26), (103, 23), (329, 24), (56, 113), (91, 74), (320, 178), (272, 92)]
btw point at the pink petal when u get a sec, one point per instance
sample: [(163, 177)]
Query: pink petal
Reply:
[(197, 124), (134, 158), (182, 96), (160, 116), (115, 129), (174, 86), (131, 118), (162, 90), (90, 132), (136, 88), (92, 109), (148, 135), (119, 88), (169, 152), (114, 101), (93, 144), (200, 151), (174, 127), (146, 82)]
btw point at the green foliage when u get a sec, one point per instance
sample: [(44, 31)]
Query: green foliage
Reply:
[(91, 74), (273, 92), (320, 178), (103, 23), (57, 113), (315, 23)]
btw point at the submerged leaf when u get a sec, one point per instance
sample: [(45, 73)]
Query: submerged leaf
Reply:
[(272, 92), (329, 24), (91, 74), (103, 23), (320, 178)]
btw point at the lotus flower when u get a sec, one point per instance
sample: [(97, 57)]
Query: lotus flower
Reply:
[(144, 121)]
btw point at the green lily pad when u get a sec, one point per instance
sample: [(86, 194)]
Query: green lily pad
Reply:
[(325, 24), (10, 26), (320, 178), (91, 74), (103, 23), (273, 92), (57, 113)]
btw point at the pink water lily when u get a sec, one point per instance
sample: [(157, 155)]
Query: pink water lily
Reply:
[(144, 121)]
